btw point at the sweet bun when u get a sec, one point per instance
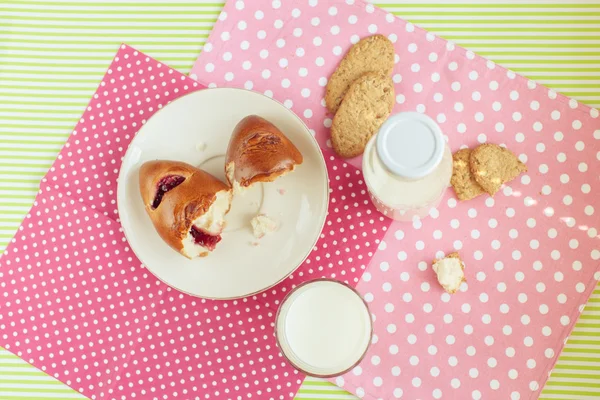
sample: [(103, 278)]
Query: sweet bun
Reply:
[(186, 205), (258, 152)]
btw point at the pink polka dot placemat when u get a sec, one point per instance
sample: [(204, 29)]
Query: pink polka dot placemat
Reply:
[(531, 253), (77, 303)]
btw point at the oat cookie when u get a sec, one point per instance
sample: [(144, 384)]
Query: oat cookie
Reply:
[(371, 54), (463, 182), (492, 166), (366, 106)]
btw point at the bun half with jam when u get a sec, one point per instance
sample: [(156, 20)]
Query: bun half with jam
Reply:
[(187, 206)]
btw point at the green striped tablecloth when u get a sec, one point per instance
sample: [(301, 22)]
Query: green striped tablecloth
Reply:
[(53, 53)]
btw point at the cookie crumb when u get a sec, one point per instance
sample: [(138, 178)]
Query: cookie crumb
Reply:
[(450, 272)]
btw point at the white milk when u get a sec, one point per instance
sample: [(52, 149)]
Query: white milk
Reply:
[(407, 166), (324, 328)]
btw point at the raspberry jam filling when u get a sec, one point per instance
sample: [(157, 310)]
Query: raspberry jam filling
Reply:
[(164, 185), (204, 239)]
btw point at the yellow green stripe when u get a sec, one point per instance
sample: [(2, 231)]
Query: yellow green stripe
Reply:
[(38, 47)]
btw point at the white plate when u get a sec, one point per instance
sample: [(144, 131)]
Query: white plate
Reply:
[(196, 129)]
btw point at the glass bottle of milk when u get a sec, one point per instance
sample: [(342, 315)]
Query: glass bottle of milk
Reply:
[(407, 166)]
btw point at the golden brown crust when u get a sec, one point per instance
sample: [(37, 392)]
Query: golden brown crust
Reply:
[(181, 205), (464, 184), (371, 54), (259, 152), (493, 165)]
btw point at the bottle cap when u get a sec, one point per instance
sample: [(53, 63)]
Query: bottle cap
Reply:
[(410, 144)]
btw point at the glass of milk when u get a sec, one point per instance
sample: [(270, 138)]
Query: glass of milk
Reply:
[(324, 328), (407, 166)]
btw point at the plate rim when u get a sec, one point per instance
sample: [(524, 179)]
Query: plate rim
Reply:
[(121, 192)]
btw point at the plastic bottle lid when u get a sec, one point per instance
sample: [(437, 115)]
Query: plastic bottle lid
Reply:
[(410, 144)]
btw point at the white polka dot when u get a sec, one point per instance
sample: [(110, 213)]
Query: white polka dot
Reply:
[(455, 86), (586, 188), (471, 351)]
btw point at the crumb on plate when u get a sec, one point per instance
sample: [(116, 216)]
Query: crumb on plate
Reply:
[(262, 225), (201, 146)]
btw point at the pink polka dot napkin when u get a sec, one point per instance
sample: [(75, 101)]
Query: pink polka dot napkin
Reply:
[(531, 253), (76, 303)]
